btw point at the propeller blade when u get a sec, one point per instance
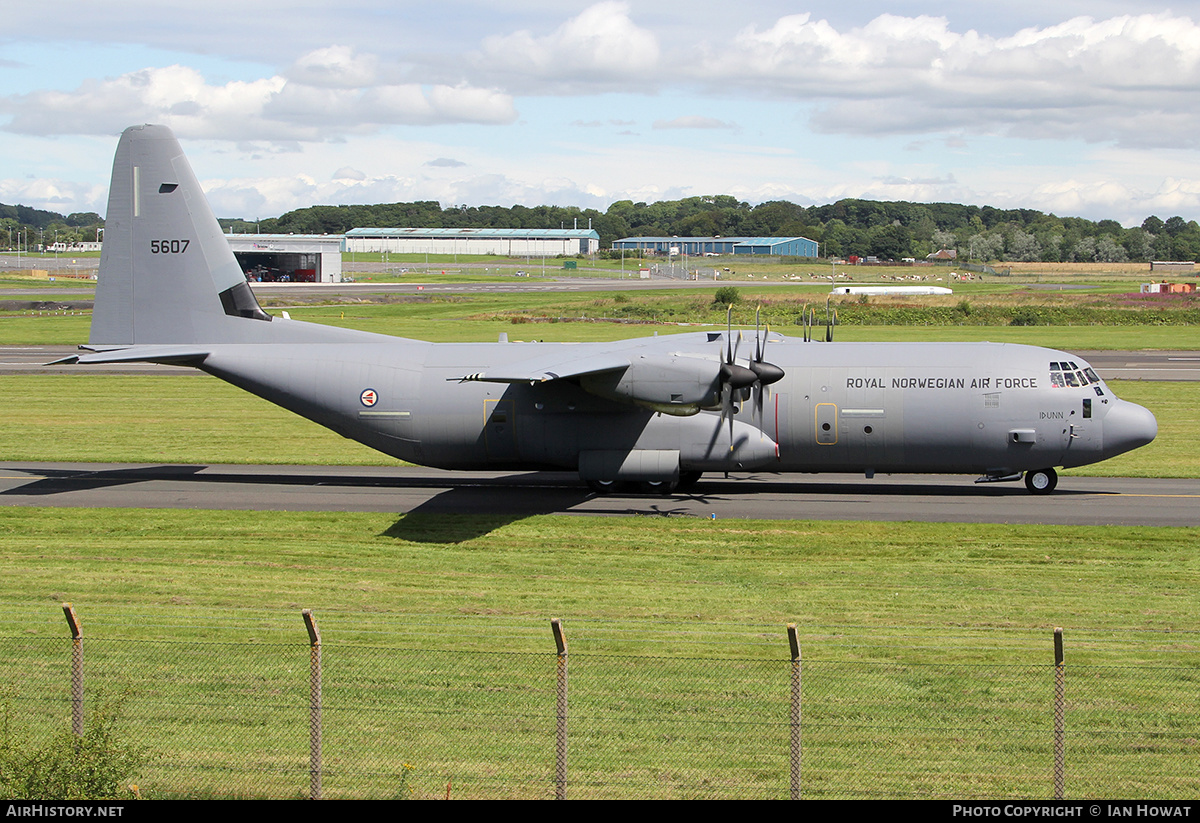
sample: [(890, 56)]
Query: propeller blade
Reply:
[(727, 410), (729, 333), (759, 345), (759, 390)]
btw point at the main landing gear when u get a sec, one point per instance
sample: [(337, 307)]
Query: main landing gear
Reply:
[(1041, 481), (660, 487)]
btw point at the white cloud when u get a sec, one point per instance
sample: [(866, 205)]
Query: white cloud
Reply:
[(174, 95), (61, 196), (274, 108), (600, 47), (335, 67), (1130, 79)]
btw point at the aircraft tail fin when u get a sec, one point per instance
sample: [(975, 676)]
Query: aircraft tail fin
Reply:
[(167, 274)]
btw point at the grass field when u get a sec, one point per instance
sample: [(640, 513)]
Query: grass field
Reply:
[(601, 316), (926, 648)]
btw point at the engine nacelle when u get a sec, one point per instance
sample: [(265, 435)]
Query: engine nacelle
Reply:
[(671, 384)]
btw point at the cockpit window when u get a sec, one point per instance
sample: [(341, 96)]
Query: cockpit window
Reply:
[(1067, 374)]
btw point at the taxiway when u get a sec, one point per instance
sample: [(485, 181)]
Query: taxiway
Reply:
[(922, 498)]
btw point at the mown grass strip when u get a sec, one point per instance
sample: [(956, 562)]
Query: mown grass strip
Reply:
[(762, 574)]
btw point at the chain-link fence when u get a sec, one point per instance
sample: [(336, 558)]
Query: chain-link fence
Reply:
[(255, 719)]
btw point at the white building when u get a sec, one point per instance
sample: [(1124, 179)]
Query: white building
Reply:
[(289, 258), (503, 242)]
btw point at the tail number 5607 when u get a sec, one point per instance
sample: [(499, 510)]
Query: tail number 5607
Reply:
[(168, 246)]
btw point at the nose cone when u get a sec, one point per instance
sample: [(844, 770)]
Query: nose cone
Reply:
[(1126, 427)]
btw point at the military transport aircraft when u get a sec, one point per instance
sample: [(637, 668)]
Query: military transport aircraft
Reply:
[(653, 411)]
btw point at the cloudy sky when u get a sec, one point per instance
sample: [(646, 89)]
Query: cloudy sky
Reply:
[(1079, 108)]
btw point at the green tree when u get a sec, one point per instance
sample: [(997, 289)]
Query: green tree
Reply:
[(890, 242)]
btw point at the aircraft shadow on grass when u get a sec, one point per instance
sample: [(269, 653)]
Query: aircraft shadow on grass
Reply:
[(478, 505), (48, 481)]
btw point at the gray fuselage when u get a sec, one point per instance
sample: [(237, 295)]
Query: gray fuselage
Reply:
[(861, 407)]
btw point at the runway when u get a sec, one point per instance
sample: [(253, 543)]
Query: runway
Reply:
[(504, 497)]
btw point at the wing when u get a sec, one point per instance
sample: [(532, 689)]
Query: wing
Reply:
[(542, 369), (671, 383)]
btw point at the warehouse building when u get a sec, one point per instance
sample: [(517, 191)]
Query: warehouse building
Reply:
[(781, 246), (288, 258), (504, 242)]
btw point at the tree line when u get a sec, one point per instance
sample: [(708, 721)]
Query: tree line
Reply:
[(28, 227), (890, 230)]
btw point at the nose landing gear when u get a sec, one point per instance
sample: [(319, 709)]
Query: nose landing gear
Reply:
[(1041, 481)]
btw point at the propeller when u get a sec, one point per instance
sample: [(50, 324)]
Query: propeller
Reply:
[(740, 382), (734, 378)]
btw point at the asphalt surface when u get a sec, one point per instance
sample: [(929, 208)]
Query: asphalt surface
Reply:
[(504, 497)]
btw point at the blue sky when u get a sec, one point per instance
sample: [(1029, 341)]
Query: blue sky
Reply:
[(1087, 109)]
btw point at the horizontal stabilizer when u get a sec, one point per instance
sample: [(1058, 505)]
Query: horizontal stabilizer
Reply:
[(166, 355)]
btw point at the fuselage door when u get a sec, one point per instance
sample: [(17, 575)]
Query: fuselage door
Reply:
[(826, 424), (1082, 428)]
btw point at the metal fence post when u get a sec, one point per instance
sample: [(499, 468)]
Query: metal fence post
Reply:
[(314, 705), (560, 731), (1060, 767), (797, 754), (76, 669)]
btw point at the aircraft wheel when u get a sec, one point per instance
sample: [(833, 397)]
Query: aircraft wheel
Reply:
[(663, 487), (688, 480), (1041, 481), (602, 486)]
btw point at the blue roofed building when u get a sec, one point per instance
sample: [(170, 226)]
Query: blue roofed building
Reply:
[(780, 246)]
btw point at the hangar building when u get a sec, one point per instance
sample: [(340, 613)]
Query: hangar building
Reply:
[(506, 242), (289, 258), (783, 246)]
